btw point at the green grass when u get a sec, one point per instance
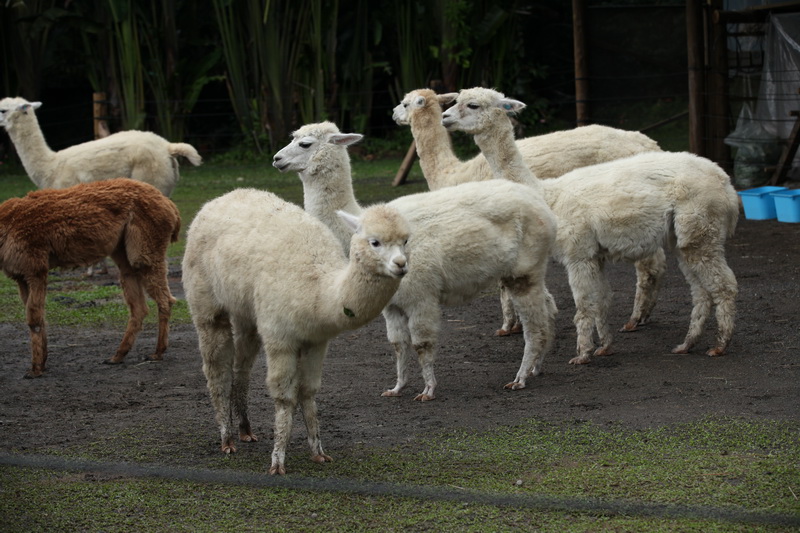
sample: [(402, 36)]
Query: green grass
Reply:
[(699, 471)]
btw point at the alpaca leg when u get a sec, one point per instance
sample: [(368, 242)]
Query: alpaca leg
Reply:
[(724, 289), (511, 322), (602, 305), (310, 380), (424, 326), (537, 310), (400, 338), (283, 385), (701, 305), (157, 285), (591, 292), (216, 347), (711, 281), (33, 293), (246, 344), (134, 294), (649, 274)]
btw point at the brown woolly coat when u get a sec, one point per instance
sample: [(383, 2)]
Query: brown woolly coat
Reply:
[(80, 225), (130, 221)]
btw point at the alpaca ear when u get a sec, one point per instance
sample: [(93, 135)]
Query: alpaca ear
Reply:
[(511, 105), (29, 105), (345, 139), (447, 98), (352, 221)]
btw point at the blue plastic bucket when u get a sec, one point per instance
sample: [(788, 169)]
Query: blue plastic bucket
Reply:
[(758, 203), (787, 205)]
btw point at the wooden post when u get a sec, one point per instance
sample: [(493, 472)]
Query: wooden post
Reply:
[(581, 63), (696, 64), (100, 112), (718, 103), (405, 167)]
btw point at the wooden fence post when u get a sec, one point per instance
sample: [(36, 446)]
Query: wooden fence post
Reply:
[(581, 63)]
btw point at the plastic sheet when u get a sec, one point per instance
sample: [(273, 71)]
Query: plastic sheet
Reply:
[(762, 130)]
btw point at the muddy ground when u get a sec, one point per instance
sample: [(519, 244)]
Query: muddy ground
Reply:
[(80, 401)]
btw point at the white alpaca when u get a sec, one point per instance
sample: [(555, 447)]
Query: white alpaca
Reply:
[(139, 155), (464, 240), (546, 156), (260, 272), (624, 210)]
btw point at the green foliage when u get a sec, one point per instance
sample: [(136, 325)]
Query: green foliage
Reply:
[(127, 64)]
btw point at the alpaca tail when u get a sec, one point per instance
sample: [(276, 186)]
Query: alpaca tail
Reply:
[(186, 150), (176, 231)]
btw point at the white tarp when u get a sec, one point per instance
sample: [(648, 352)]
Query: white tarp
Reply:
[(761, 132)]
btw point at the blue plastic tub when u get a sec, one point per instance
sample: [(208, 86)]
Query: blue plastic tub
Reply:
[(759, 203), (787, 205)]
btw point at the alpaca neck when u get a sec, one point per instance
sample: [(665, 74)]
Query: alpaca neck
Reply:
[(433, 143), (327, 188), (498, 146), (355, 295), (32, 148)]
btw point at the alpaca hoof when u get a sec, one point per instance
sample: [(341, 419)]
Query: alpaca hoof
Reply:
[(113, 361), (424, 397), (580, 360), (155, 357), (247, 437), (30, 374), (228, 448), (502, 332), (629, 326), (391, 393), (321, 458), (279, 470), (716, 352), (604, 351), (514, 385), (682, 349)]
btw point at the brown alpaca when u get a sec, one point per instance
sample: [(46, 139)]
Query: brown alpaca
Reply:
[(130, 221)]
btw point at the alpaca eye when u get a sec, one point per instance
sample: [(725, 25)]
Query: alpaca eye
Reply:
[(374, 243), (305, 144), (473, 106)]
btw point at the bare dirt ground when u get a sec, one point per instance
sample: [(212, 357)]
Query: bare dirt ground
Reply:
[(80, 401)]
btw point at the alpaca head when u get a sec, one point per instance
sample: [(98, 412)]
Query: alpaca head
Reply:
[(477, 109), (420, 99), (379, 240), (314, 144), (13, 107)]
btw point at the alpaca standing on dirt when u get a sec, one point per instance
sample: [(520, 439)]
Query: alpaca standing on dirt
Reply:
[(465, 239), (260, 272), (624, 210), (139, 155), (128, 220), (545, 156)]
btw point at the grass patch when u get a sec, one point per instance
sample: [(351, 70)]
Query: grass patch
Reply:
[(74, 301), (727, 465)]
